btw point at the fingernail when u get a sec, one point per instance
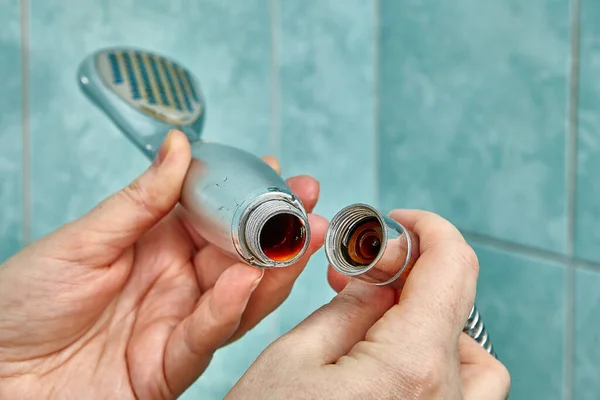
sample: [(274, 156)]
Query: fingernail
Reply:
[(273, 163), (257, 282), (164, 149), (362, 289), (254, 286)]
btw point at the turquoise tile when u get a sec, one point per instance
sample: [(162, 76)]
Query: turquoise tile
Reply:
[(473, 114), (522, 301), (587, 237), (79, 157), (326, 89), (587, 335), (310, 292), (11, 189)]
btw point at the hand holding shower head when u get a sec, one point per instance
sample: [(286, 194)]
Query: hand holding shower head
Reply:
[(234, 199), (363, 243)]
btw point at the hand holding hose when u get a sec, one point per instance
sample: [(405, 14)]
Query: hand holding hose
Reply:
[(370, 342)]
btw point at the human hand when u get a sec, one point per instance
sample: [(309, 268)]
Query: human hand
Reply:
[(371, 342), (128, 302)]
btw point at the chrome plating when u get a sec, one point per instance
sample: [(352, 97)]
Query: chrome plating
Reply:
[(223, 187)]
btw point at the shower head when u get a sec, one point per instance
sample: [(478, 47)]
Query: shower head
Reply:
[(231, 197), (145, 94)]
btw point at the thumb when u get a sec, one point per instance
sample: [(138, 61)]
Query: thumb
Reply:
[(121, 219), (333, 330)]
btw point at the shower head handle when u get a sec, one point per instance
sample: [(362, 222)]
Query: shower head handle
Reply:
[(232, 198), (144, 94)]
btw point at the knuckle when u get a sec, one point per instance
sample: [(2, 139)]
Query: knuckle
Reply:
[(427, 372), (420, 371), (433, 219), (350, 300), (422, 379), (429, 218), (137, 194), (348, 306), (466, 257), (433, 216)]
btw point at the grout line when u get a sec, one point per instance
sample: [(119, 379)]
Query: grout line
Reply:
[(571, 156), (586, 265), (572, 143), (569, 344), (376, 99), (275, 134), (512, 247), (525, 250), (275, 118), (580, 265), (25, 127)]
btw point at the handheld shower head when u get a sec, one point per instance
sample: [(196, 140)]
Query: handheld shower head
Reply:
[(231, 197)]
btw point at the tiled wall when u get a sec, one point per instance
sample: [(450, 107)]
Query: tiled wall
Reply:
[(11, 174), (486, 112), (474, 124)]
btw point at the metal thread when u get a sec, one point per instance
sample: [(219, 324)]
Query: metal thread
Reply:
[(475, 328), (257, 220), (340, 226)]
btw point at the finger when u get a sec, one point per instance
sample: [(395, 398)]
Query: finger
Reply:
[(482, 376), (186, 220), (429, 227), (216, 318), (331, 331), (307, 189), (299, 184), (336, 280), (121, 219), (277, 283), (211, 262), (440, 290), (471, 352), (273, 163)]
